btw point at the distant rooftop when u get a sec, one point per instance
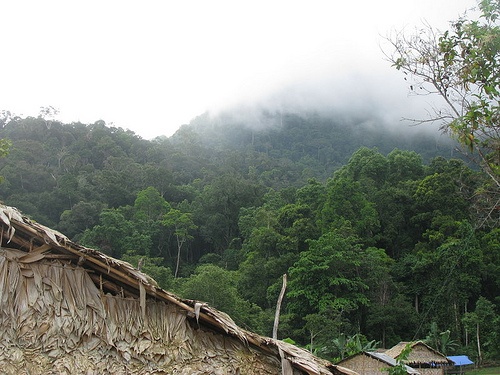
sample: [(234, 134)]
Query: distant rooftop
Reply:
[(391, 361)]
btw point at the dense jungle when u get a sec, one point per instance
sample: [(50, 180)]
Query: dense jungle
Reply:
[(386, 233)]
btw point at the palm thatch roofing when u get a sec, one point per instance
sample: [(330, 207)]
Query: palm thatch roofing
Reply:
[(69, 309), (421, 354), (372, 363)]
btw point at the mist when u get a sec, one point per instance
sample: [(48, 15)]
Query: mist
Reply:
[(152, 67)]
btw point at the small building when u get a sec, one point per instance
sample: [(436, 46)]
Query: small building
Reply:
[(460, 364), (68, 309), (423, 358), (372, 363)]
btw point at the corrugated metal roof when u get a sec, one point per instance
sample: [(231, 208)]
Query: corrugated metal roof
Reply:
[(391, 361)]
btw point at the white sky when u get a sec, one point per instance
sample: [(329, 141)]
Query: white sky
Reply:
[(153, 65)]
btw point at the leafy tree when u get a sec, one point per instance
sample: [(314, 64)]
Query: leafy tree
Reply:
[(346, 346), (5, 146), (347, 203), (382, 318), (368, 166), (182, 224), (483, 322), (217, 208), (445, 190), (149, 206), (444, 272), (489, 243), (273, 234), (82, 216), (404, 165), (148, 212), (151, 266), (312, 194), (268, 255), (461, 67), (217, 287), (391, 317), (115, 235), (441, 341), (326, 278)]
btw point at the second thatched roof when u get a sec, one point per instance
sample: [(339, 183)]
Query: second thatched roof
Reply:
[(420, 354)]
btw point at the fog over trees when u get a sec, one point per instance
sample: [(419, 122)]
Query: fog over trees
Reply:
[(386, 232), (377, 232)]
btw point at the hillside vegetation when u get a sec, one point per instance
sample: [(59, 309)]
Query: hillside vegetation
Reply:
[(382, 233)]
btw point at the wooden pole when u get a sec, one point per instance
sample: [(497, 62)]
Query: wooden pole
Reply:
[(286, 366), (278, 309)]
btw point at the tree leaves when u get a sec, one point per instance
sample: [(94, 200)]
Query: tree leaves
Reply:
[(461, 66)]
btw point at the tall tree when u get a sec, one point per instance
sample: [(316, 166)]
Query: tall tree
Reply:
[(484, 323), (182, 224), (5, 145), (326, 280), (460, 66)]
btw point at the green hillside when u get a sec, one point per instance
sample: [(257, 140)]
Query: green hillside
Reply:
[(383, 235)]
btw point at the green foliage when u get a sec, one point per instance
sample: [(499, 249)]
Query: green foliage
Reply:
[(347, 204), (217, 287), (5, 146), (483, 325), (181, 224), (114, 235), (376, 250), (153, 267), (82, 216), (326, 277), (346, 346), (441, 340), (400, 368), (461, 66)]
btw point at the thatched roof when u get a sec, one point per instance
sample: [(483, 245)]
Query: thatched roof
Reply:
[(372, 363), (420, 354), (68, 306)]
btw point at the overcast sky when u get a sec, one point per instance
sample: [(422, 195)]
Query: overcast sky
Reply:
[(153, 65)]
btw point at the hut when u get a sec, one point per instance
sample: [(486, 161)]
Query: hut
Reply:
[(372, 363), (422, 357), (68, 309)]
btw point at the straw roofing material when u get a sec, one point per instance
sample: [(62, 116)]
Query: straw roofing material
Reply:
[(420, 354), (373, 363), (65, 308)]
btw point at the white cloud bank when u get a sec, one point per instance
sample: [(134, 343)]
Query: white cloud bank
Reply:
[(151, 66)]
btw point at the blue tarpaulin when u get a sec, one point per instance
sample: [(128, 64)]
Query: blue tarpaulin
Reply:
[(461, 360)]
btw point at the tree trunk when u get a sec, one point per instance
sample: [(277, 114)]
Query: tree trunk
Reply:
[(278, 309), (311, 343), (383, 336), (286, 366), (466, 331), (480, 357), (179, 246)]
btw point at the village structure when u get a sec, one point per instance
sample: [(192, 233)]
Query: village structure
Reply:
[(423, 358), (68, 309), (373, 363)]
